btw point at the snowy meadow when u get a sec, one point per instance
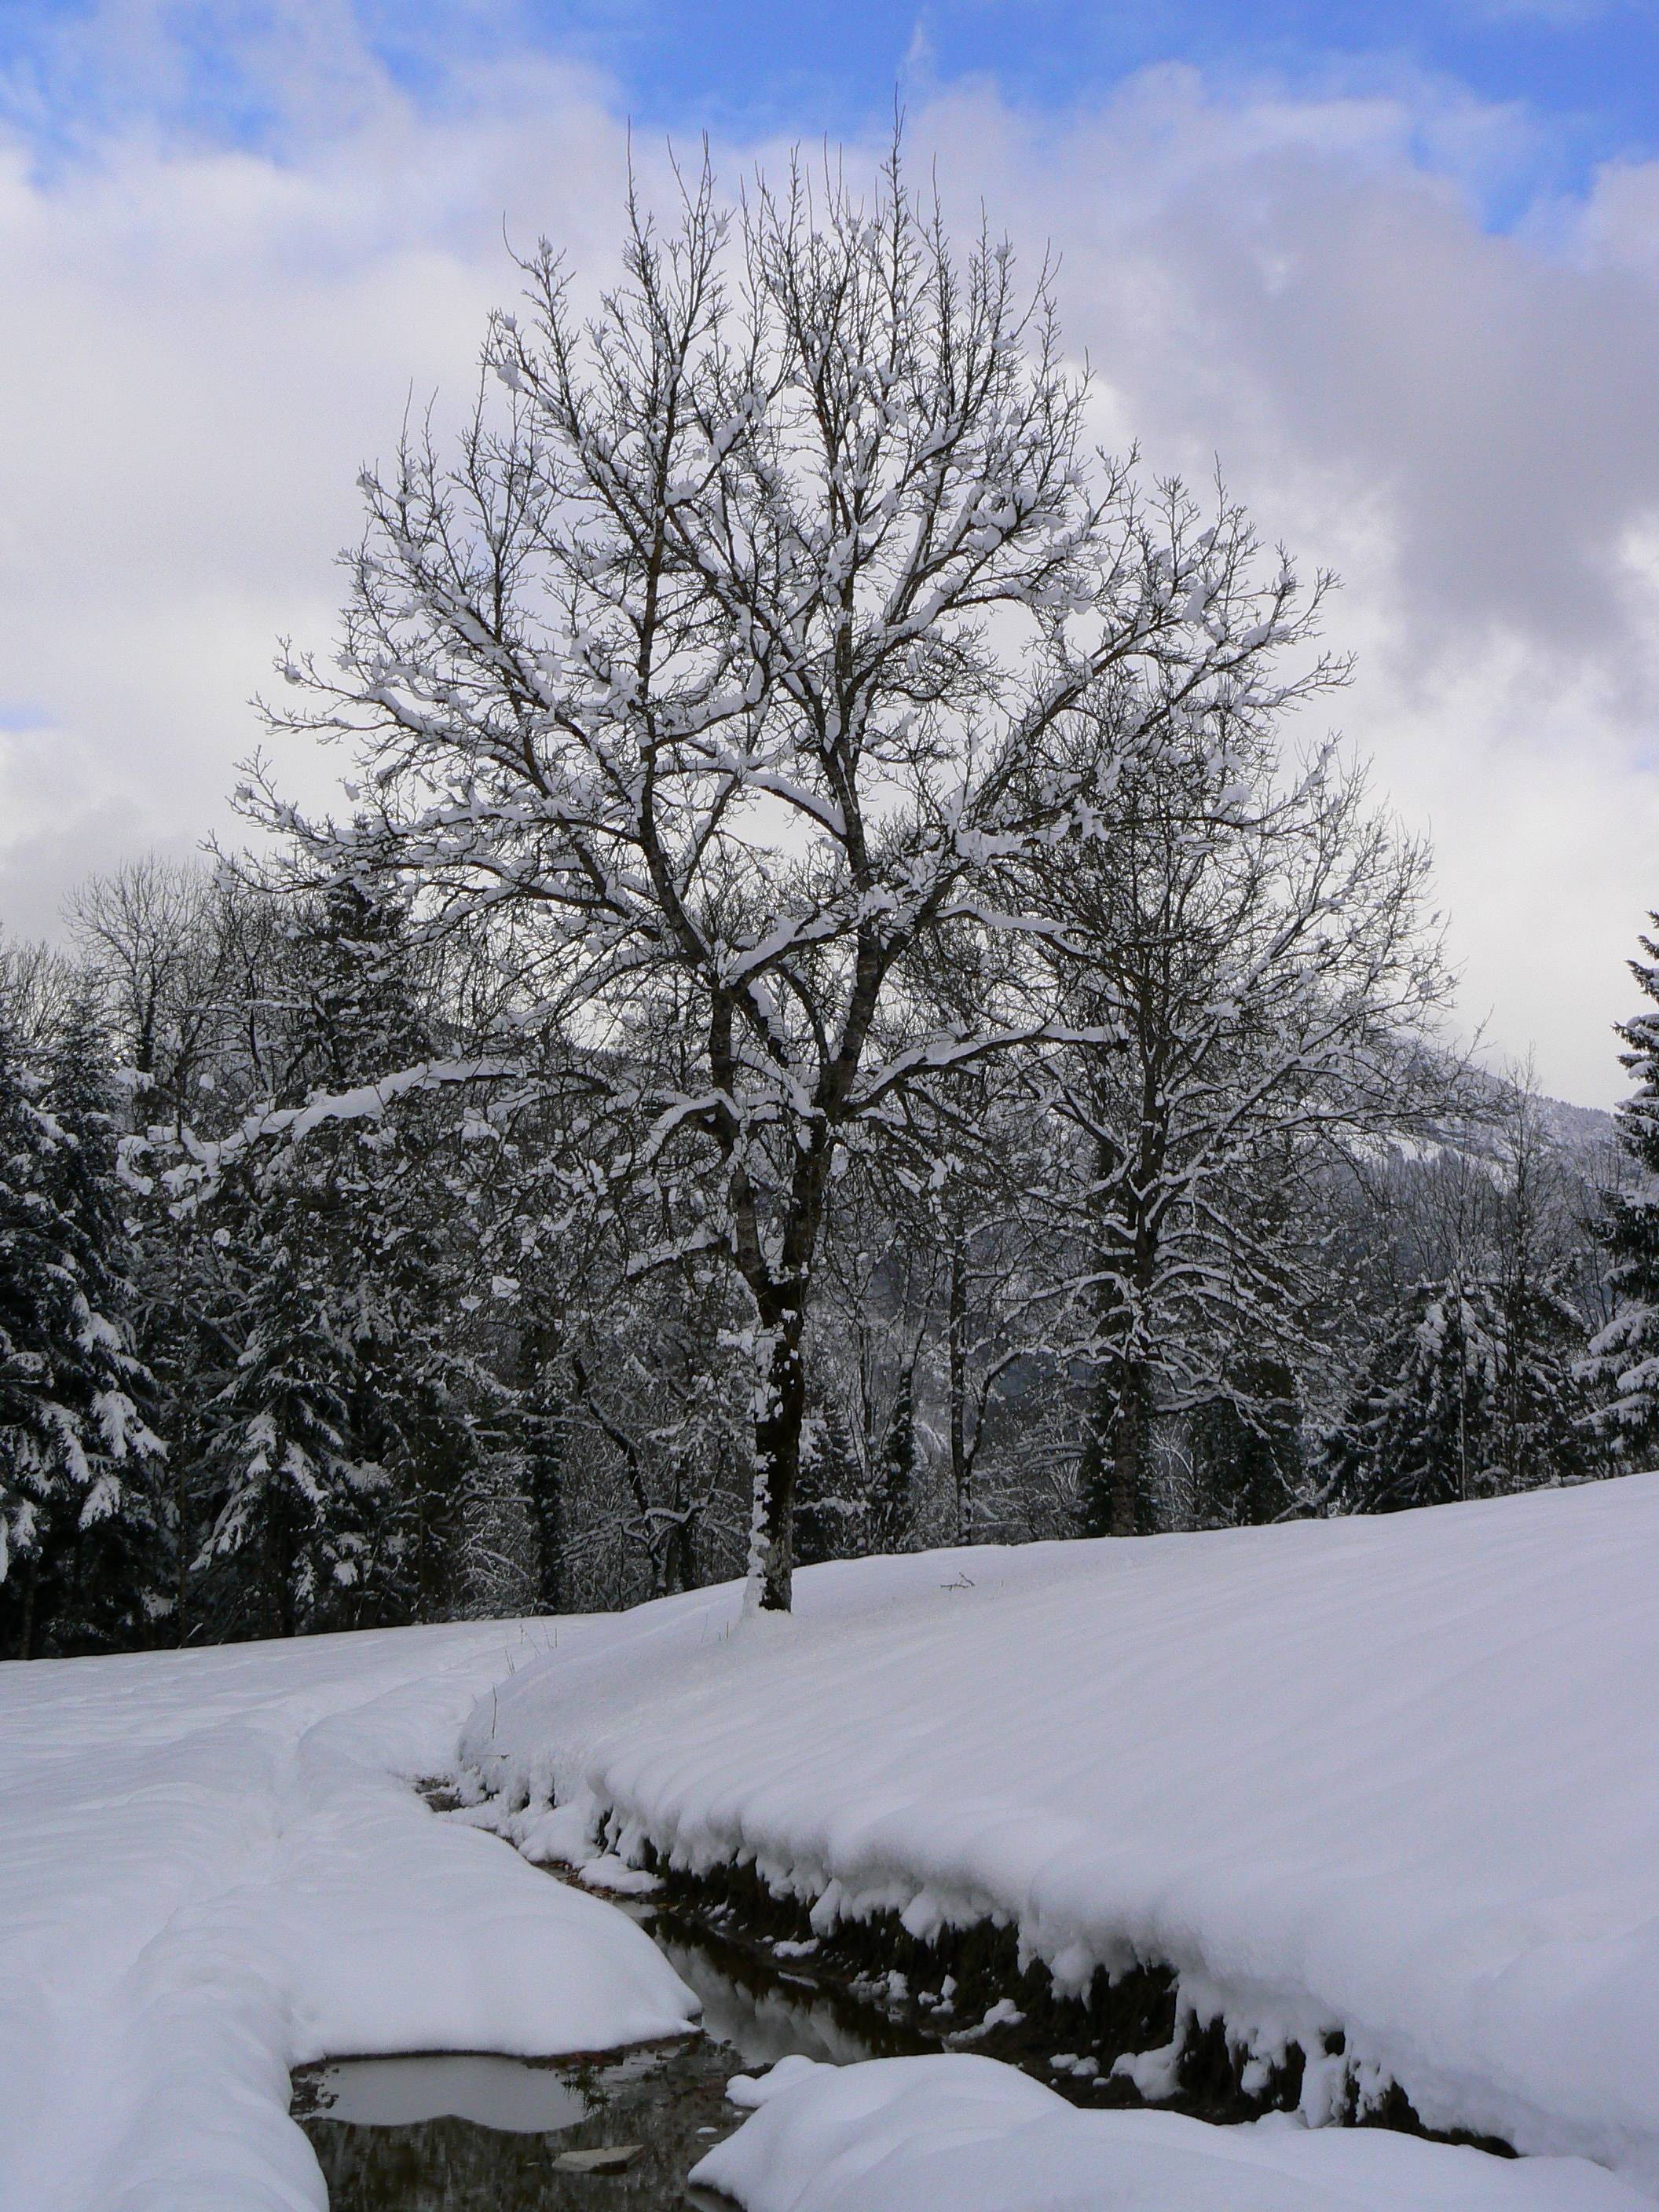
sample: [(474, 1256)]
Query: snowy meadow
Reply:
[(217, 1867)]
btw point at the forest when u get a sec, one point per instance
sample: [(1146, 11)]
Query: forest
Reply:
[(843, 1012)]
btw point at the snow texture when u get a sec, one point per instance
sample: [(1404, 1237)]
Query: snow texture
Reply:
[(895, 2133), (210, 1871), (1394, 1778)]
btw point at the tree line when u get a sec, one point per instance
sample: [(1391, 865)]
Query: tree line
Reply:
[(835, 1016)]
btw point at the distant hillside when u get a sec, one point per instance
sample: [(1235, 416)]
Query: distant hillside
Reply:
[(1581, 1129), (1586, 1133)]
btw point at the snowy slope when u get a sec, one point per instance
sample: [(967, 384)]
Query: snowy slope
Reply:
[(210, 1872), (1396, 1778)]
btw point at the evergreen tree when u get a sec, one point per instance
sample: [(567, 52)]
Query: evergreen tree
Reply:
[(1623, 1363), (77, 1457), (1539, 1436), (339, 1441), (289, 1499), (30, 1470), (401, 1255), (832, 1506), (1412, 1434), (1246, 1447), (1472, 1393)]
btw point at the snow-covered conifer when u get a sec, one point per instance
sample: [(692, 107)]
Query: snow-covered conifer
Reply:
[(1470, 1392), (833, 1505), (290, 1504), (1245, 1449), (77, 1455), (338, 1444), (1622, 1367)]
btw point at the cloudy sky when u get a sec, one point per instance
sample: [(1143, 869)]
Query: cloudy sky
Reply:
[(1397, 265)]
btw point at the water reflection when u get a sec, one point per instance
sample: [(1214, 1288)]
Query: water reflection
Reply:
[(764, 2016), (378, 2156), (465, 2133), (490, 2092)]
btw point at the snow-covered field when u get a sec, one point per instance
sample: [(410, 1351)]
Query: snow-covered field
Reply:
[(1396, 1777), (209, 1872)]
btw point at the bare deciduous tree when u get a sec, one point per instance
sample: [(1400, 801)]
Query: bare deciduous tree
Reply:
[(1253, 976), (723, 657)]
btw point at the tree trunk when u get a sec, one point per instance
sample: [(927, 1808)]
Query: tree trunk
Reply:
[(1129, 1440), (281, 1551), (182, 1552), (543, 1487), (541, 1437), (777, 1466), (1112, 1477), (1094, 1487), (679, 1558), (26, 1626), (961, 1467)]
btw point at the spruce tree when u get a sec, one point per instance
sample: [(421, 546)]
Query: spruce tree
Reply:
[(1413, 1431), (395, 1253), (335, 1440), (1246, 1447), (1471, 1393), (30, 1470), (285, 1484), (832, 1506), (1622, 1366), (78, 1567)]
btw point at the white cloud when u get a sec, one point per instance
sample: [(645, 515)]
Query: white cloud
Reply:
[(202, 346), (1463, 423)]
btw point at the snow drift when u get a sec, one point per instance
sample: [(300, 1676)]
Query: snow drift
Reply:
[(895, 2133)]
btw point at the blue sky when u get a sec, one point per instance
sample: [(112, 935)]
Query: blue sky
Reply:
[(1579, 77), (1591, 69)]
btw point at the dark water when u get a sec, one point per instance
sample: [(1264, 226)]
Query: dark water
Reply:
[(465, 2133)]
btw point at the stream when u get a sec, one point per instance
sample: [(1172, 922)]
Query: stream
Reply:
[(465, 2132)]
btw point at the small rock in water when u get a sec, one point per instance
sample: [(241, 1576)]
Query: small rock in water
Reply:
[(606, 2158)]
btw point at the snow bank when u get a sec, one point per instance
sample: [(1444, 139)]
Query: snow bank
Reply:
[(1392, 1777), (210, 1871), (895, 2133)]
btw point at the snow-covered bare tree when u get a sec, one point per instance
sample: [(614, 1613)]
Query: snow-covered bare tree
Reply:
[(984, 1152), (154, 932), (1251, 973), (723, 658)]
